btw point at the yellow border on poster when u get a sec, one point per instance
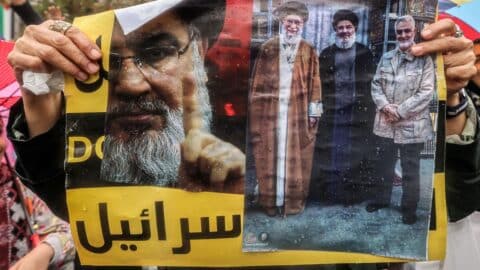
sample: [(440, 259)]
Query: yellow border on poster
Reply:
[(177, 204), (128, 203)]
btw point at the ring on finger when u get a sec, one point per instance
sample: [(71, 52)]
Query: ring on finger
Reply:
[(60, 26), (458, 32)]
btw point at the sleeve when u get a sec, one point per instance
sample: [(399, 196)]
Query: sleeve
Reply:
[(316, 97), (315, 106), (27, 13), (378, 96), (52, 230), (40, 160), (423, 96), (256, 90), (462, 168)]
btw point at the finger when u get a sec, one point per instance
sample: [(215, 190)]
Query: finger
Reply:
[(208, 156), (191, 110), (219, 171), (87, 46), (79, 54), (443, 45), (194, 143), (465, 57), (20, 62), (455, 85), (460, 73), (230, 166), (445, 27), (52, 56)]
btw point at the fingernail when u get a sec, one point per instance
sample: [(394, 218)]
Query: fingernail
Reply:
[(417, 49), (95, 53), (92, 68), (427, 33), (81, 76)]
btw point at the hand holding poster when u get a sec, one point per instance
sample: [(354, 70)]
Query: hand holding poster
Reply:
[(126, 126)]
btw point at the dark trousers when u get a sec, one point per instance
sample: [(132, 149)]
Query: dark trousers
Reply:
[(410, 162)]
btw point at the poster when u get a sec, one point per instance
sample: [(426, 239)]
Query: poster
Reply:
[(174, 210), (340, 143)]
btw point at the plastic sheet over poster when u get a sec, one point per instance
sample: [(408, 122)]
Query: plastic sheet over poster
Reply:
[(134, 216)]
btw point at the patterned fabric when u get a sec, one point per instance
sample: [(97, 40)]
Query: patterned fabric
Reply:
[(13, 224), (14, 227)]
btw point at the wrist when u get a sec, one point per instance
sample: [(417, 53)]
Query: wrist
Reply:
[(456, 104), (42, 254), (453, 99)]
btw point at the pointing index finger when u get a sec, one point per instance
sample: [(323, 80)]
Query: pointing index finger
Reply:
[(191, 109), (445, 27)]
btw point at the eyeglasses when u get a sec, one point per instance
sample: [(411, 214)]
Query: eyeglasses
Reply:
[(152, 56), (293, 21), (401, 31)]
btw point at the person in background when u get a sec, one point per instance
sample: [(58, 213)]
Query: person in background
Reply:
[(344, 143), (25, 11), (31, 237), (462, 175), (439, 36)]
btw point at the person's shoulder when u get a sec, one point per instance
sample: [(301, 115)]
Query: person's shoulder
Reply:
[(389, 55), (361, 46), (274, 41), (328, 51), (306, 43), (363, 50), (270, 45)]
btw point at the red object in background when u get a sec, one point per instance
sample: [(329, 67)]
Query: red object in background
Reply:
[(229, 110), (468, 31), (229, 59), (5, 69), (9, 92)]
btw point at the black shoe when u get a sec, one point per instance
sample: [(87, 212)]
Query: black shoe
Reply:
[(409, 219), (372, 207)]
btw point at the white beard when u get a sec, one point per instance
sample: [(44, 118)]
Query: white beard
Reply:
[(153, 157), (405, 45), (345, 44), (290, 39)]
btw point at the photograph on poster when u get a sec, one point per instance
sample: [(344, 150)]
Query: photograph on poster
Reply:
[(154, 61), (341, 128)]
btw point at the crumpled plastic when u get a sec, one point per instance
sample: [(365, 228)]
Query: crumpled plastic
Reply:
[(43, 83)]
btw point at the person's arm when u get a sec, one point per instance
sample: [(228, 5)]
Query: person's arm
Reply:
[(378, 96), (423, 95), (37, 259), (26, 12), (458, 58), (315, 105), (56, 247), (40, 159)]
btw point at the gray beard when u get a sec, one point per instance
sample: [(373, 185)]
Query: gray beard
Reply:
[(294, 39), (340, 43), (150, 158), (407, 44), (153, 157)]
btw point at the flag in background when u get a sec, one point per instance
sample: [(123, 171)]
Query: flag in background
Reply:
[(467, 10)]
